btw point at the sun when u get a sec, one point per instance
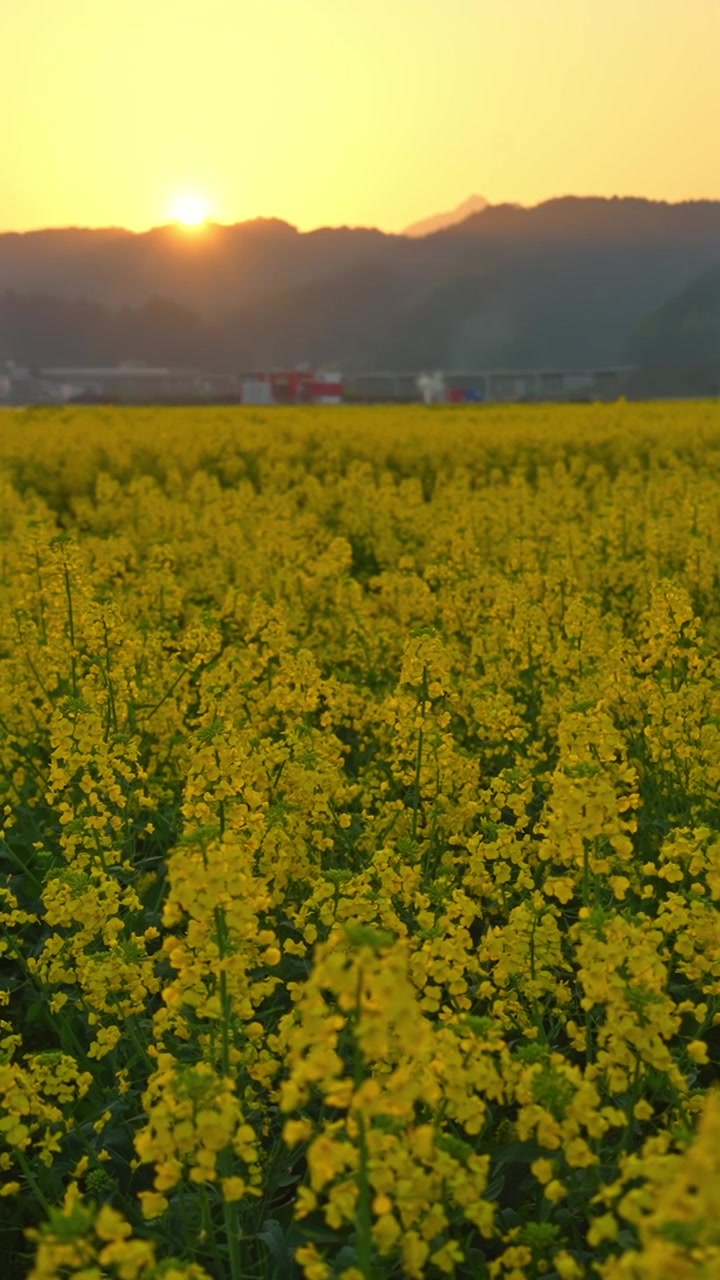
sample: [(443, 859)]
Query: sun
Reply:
[(190, 209)]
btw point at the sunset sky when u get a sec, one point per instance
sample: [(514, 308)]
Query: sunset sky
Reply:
[(365, 112)]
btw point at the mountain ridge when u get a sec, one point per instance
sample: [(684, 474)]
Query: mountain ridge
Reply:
[(451, 217), (566, 283)]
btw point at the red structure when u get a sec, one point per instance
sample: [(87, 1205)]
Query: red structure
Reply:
[(297, 386)]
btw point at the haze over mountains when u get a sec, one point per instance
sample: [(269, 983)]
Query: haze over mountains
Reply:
[(570, 283), (473, 204)]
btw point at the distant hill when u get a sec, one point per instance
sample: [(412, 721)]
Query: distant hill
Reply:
[(559, 307), (679, 344), (208, 270), (473, 204), (568, 283), (39, 330)]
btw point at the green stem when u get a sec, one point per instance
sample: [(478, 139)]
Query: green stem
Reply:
[(221, 936), (210, 1231), (19, 863), (230, 1211), (232, 1232), (38, 677), (32, 1182), (71, 625), (137, 1041), (41, 602), (221, 803), (588, 1038), (363, 1219), (418, 758), (363, 1216), (586, 876), (166, 695), (532, 946), (112, 711)]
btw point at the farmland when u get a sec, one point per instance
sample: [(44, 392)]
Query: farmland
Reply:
[(360, 780)]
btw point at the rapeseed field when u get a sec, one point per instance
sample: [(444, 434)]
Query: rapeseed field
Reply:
[(360, 848)]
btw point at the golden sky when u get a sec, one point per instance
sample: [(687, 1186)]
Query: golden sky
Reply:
[(359, 112)]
